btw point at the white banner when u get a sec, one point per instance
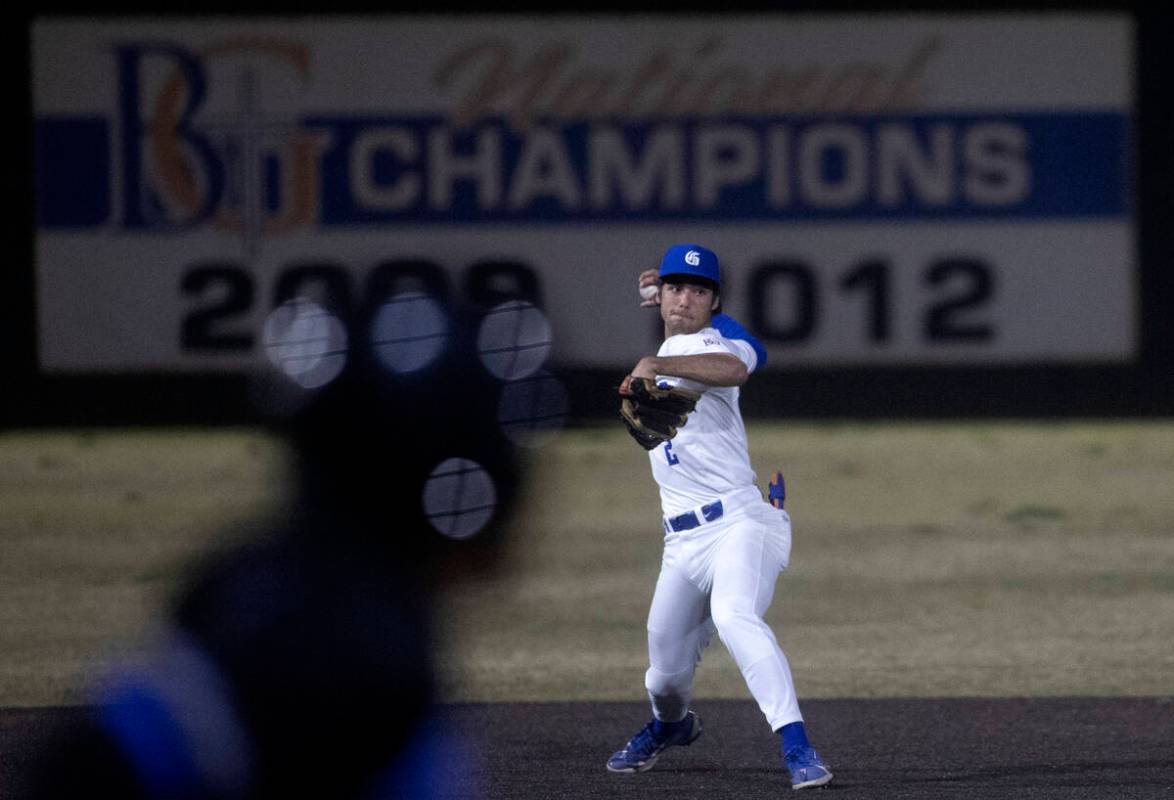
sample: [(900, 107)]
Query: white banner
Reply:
[(880, 190)]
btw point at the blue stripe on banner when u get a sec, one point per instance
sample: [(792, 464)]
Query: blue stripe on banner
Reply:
[(867, 168), (424, 170)]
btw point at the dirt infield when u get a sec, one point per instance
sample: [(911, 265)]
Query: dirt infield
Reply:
[(1068, 748)]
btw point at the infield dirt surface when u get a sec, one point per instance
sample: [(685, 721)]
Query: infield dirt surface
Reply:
[(914, 749)]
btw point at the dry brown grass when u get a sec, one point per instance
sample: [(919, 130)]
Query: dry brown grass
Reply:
[(929, 559)]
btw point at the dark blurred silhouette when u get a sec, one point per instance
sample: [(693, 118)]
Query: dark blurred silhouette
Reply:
[(300, 664)]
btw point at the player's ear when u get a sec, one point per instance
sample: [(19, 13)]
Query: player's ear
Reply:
[(717, 301)]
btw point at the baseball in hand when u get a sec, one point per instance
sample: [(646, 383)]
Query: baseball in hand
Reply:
[(648, 292)]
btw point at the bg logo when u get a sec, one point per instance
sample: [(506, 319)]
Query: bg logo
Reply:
[(204, 141), (692, 258)]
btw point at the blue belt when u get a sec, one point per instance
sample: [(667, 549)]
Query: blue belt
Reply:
[(688, 520)]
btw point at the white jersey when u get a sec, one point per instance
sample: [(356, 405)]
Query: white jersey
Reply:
[(709, 457)]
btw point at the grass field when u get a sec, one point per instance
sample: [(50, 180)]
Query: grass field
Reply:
[(943, 559)]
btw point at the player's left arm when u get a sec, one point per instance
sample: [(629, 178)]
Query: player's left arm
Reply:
[(712, 369)]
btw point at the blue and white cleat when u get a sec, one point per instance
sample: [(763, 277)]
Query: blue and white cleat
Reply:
[(807, 768), (645, 747)]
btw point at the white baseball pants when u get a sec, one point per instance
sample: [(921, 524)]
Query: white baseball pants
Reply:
[(721, 576)]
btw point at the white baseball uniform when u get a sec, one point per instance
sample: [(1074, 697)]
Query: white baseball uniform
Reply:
[(720, 564)]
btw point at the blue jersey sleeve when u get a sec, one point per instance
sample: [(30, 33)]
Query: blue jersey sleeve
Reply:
[(730, 328)]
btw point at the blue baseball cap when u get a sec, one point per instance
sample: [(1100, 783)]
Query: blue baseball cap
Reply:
[(691, 259)]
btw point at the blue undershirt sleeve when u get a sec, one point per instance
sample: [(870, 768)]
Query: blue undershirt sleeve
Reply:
[(730, 328)]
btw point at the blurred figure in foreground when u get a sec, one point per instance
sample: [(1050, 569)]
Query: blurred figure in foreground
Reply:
[(300, 664)]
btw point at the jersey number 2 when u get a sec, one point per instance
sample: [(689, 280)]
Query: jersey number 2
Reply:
[(668, 453)]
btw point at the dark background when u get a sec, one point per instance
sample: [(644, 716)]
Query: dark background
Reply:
[(1144, 388)]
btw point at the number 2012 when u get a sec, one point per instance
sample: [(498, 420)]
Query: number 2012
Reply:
[(784, 300)]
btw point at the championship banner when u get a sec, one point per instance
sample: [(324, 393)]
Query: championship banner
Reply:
[(880, 190)]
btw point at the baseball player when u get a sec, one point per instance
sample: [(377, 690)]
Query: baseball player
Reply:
[(724, 544)]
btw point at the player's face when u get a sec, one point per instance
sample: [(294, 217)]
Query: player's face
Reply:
[(686, 307)]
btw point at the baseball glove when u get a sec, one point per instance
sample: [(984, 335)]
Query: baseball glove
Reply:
[(652, 413)]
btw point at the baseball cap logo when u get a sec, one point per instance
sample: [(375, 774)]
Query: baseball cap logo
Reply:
[(690, 259)]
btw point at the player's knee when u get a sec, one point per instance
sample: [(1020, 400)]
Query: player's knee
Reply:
[(663, 684), (733, 613)]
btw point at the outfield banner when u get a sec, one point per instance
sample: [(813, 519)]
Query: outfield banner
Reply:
[(907, 189)]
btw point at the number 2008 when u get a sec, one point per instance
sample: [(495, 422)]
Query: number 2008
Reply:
[(224, 293)]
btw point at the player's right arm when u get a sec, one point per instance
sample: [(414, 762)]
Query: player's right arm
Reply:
[(726, 325), (711, 369)]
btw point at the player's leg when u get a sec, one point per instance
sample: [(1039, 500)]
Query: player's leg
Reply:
[(752, 554), (746, 568), (679, 628)]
